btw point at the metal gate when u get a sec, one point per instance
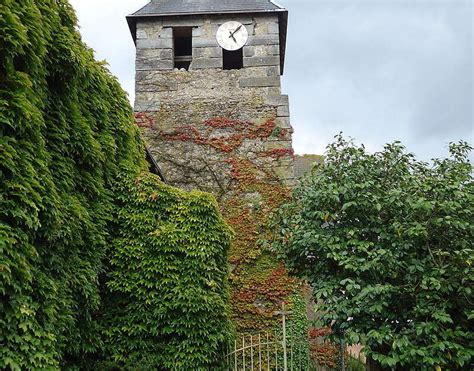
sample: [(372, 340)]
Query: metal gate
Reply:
[(282, 351), (275, 351), (268, 352)]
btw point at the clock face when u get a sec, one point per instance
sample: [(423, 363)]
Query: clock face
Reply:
[(232, 35)]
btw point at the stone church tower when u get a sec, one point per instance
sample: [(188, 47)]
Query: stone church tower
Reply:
[(185, 77), (210, 108)]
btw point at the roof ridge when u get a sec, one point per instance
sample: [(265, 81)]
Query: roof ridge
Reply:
[(143, 7), (165, 7)]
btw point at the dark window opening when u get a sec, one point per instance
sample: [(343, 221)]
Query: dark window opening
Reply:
[(233, 60), (183, 47)]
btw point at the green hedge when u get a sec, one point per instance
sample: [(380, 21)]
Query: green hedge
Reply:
[(67, 142), (167, 298)]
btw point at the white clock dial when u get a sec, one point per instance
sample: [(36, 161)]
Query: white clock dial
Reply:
[(232, 35)]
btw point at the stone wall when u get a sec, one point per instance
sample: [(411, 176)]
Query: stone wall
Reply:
[(173, 98), (228, 133)]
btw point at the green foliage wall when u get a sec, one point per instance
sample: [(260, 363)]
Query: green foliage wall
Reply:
[(386, 241), (66, 134), (167, 301)]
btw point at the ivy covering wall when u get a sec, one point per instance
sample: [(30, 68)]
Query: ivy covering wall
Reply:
[(72, 244), (242, 159), (167, 295)]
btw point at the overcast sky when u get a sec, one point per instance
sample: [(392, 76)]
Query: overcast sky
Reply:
[(377, 70)]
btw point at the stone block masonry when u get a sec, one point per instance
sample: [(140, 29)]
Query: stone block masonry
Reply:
[(173, 99), (155, 37)]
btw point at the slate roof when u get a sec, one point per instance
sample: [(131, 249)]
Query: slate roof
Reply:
[(170, 8), (179, 7)]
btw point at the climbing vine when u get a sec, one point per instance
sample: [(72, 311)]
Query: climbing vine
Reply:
[(252, 191), (66, 132), (322, 351), (243, 130), (166, 302), (100, 263), (260, 282)]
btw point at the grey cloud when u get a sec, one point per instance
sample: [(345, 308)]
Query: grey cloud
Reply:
[(381, 71)]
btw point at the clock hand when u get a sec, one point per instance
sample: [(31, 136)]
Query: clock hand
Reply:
[(238, 28), (232, 35)]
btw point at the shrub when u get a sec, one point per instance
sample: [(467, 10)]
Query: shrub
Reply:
[(386, 241)]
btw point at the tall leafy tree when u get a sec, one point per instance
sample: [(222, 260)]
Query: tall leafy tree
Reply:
[(386, 242)]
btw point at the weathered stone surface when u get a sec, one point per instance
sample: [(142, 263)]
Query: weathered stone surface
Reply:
[(166, 33), (264, 40), (147, 102), (250, 29), (249, 51), (274, 49), (152, 59), (205, 165), (210, 52), (218, 20), (281, 144), (204, 63), (249, 82), (283, 111), (183, 22), (154, 43), (286, 173), (273, 71), (273, 91), (203, 42), (277, 100), (261, 29), (261, 61), (273, 28), (266, 50), (197, 31), (141, 34), (151, 81), (166, 54), (152, 29), (305, 163), (153, 65), (283, 122), (264, 18), (189, 98)]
